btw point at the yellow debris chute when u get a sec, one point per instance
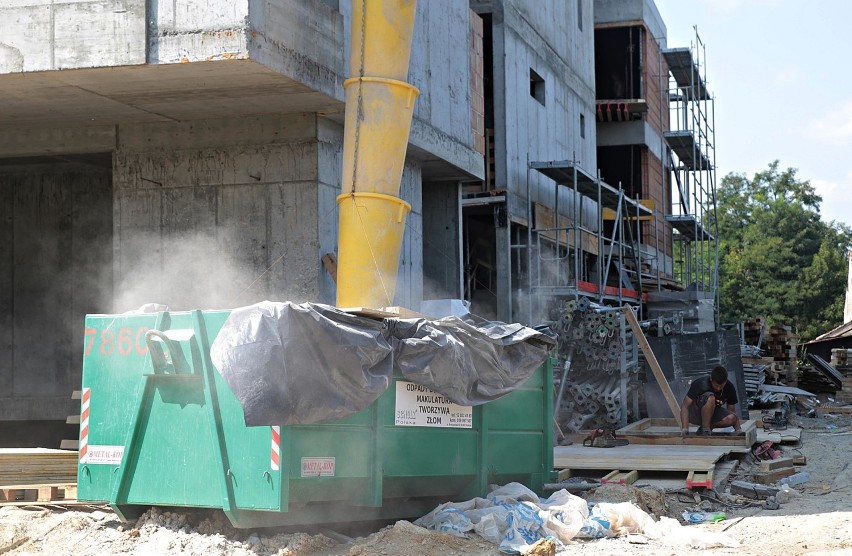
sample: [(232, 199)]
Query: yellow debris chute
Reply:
[(379, 108)]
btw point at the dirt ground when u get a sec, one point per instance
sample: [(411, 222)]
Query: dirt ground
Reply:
[(816, 521)]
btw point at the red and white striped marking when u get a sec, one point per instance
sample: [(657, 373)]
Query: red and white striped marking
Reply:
[(275, 453), (84, 426)]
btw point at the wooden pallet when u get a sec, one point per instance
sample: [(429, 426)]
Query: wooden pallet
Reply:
[(706, 478), (26, 494)]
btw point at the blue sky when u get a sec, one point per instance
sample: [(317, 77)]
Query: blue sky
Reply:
[(781, 72)]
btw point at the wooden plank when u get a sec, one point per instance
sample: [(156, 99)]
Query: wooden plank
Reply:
[(785, 390), (37, 466), (773, 464), (790, 434), (330, 263), (699, 479), (69, 445), (640, 457), (385, 313), (652, 362), (723, 471), (844, 410), (769, 477), (545, 219), (620, 477)]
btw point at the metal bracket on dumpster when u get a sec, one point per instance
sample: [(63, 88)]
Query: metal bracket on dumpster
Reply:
[(171, 360), (170, 363)]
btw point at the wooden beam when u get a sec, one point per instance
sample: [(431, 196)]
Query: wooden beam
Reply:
[(620, 477), (773, 464), (699, 479), (652, 362), (329, 261), (667, 431)]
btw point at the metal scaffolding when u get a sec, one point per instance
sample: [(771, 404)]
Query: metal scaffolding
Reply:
[(691, 145), (569, 256)]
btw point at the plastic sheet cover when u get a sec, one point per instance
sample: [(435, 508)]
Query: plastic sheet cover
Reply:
[(305, 363)]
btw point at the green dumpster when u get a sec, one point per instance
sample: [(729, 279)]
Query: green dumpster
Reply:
[(161, 427)]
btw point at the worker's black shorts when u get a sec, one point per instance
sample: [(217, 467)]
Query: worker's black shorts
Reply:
[(719, 412)]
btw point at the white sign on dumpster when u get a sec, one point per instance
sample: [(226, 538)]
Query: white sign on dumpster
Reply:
[(418, 406), (105, 455)]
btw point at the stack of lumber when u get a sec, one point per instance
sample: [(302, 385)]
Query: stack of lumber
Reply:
[(781, 343), (844, 395), (840, 360), (37, 467), (820, 373), (814, 381), (755, 371), (754, 331), (778, 344)]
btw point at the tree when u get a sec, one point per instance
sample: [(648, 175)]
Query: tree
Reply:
[(777, 258)]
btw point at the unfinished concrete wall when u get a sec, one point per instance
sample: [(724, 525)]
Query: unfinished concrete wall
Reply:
[(217, 214), (631, 12), (441, 241), (225, 213), (55, 266), (39, 35), (553, 42), (196, 30), (305, 40)]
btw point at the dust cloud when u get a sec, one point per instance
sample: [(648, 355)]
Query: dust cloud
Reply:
[(200, 271)]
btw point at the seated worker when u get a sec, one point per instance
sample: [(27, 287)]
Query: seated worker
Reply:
[(705, 403)]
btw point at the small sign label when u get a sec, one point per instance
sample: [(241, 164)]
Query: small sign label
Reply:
[(418, 406), (318, 467), (106, 455)]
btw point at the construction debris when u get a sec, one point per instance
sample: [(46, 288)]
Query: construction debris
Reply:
[(753, 490)]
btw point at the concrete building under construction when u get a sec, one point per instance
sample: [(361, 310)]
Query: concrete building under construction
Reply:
[(189, 154)]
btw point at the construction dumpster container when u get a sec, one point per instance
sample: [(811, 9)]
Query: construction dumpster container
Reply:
[(161, 427)]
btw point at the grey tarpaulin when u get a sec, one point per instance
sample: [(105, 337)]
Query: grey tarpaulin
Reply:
[(291, 363), (468, 360)]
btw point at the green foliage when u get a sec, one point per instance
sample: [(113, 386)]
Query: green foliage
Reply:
[(777, 258)]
